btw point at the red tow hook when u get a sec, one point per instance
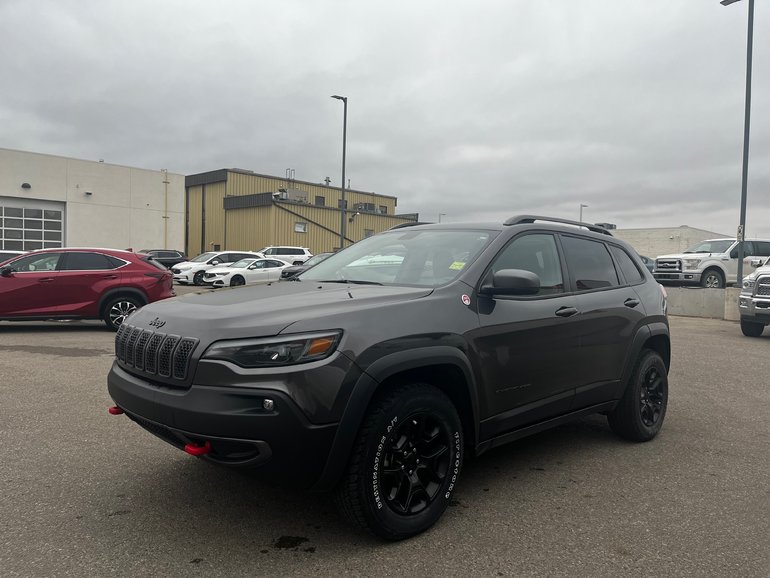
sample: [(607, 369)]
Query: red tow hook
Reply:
[(115, 410), (197, 450)]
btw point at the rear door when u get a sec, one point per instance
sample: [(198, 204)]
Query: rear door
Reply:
[(611, 312), (84, 277), (30, 287)]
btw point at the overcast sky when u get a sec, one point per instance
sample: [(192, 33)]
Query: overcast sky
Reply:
[(478, 110)]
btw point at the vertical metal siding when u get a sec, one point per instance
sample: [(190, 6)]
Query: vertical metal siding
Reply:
[(194, 195), (215, 215)]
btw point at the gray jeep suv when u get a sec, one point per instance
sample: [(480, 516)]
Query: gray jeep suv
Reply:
[(377, 371)]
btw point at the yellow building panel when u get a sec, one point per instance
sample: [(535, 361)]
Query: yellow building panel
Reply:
[(194, 219), (214, 195), (249, 229)]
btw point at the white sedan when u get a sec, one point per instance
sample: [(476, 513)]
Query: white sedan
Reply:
[(245, 272)]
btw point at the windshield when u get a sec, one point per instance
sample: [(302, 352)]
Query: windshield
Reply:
[(242, 264), (202, 257), (424, 258), (711, 247)]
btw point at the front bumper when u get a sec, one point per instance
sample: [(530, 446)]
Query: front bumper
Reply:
[(288, 448), (183, 278), (756, 309), (680, 277)]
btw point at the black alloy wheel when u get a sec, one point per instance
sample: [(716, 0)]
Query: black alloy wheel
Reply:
[(639, 414), (198, 278), (416, 464), (237, 281), (405, 464), (652, 396)]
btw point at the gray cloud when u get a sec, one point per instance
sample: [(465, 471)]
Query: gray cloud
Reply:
[(479, 110)]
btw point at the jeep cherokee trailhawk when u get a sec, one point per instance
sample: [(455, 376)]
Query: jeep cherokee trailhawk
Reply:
[(378, 370)]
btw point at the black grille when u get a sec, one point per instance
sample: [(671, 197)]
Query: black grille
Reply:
[(155, 353)]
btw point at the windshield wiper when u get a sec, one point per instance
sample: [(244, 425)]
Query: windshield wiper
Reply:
[(350, 281)]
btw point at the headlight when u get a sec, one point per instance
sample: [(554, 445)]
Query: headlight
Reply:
[(276, 351), (690, 263), (748, 283), (184, 268)]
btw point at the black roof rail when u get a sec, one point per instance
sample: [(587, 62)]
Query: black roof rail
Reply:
[(409, 224), (521, 219)]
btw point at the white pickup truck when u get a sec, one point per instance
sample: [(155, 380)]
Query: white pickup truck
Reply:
[(754, 301), (712, 263)]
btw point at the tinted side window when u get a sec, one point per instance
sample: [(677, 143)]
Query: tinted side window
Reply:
[(627, 266), (86, 262), (762, 248), (289, 251), (270, 252), (39, 262), (590, 264), (538, 254)]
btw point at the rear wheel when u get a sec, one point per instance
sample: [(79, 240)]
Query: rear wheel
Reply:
[(752, 328), (237, 280), (639, 414), (405, 463), (712, 279), (118, 309)]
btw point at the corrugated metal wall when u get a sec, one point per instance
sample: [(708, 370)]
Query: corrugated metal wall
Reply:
[(256, 227)]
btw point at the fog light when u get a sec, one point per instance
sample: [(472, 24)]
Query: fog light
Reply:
[(268, 404)]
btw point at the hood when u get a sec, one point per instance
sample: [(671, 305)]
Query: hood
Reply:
[(263, 310), (687, 256)]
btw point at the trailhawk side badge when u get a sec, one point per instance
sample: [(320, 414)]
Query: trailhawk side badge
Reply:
[(466, 300)]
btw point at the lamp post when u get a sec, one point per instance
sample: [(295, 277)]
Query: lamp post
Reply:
[(746, 124), (581, 211), (344, 100), (441, 215)]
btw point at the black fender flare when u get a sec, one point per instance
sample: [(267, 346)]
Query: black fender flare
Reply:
[(130, 291), (642, 336), (367, 385)]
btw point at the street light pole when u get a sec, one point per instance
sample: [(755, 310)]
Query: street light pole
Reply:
[(581, 211), (746, 125), (441, 215), (344, 100)]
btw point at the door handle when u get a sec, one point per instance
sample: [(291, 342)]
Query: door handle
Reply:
[(109, 277), (45, 280), (631, 302), (566, 311)]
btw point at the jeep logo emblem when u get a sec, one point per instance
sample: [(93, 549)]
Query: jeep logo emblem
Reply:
[(157, 322)]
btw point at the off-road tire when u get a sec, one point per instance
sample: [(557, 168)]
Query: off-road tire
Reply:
[(752, 328), (377, 483), (117, 309), (712, 279), (640, 412), (198, 278)]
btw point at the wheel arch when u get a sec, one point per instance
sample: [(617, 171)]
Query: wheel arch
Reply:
[(120, 292), (445, 368), (654, 336)]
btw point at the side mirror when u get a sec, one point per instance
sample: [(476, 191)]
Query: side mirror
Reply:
[(215, 262), (512, 282), (756, 263), (6, 271)]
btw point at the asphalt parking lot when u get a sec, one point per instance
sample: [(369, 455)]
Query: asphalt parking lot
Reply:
[(89, 494)]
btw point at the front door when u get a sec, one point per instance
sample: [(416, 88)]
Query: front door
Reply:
[(528, 347), (29, 288)]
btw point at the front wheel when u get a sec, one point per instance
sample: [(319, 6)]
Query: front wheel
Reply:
[(118, 309), (712, 279), (752, 328), (198, 278), (237, 281), (639, 414), (405, 463)]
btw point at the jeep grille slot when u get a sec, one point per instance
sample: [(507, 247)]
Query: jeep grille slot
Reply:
[(154, 353), (164, 355), (182, 356)]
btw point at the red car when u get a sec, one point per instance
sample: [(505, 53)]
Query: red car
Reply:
[(80, 284)]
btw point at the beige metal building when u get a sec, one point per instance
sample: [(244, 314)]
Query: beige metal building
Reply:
[(235, 209), (664, 240)]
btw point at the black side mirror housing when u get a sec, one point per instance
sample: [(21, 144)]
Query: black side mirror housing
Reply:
[(6, 271), (512, 282)]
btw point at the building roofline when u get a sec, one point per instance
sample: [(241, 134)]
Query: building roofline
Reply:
[(97, 162), (220, 175)]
